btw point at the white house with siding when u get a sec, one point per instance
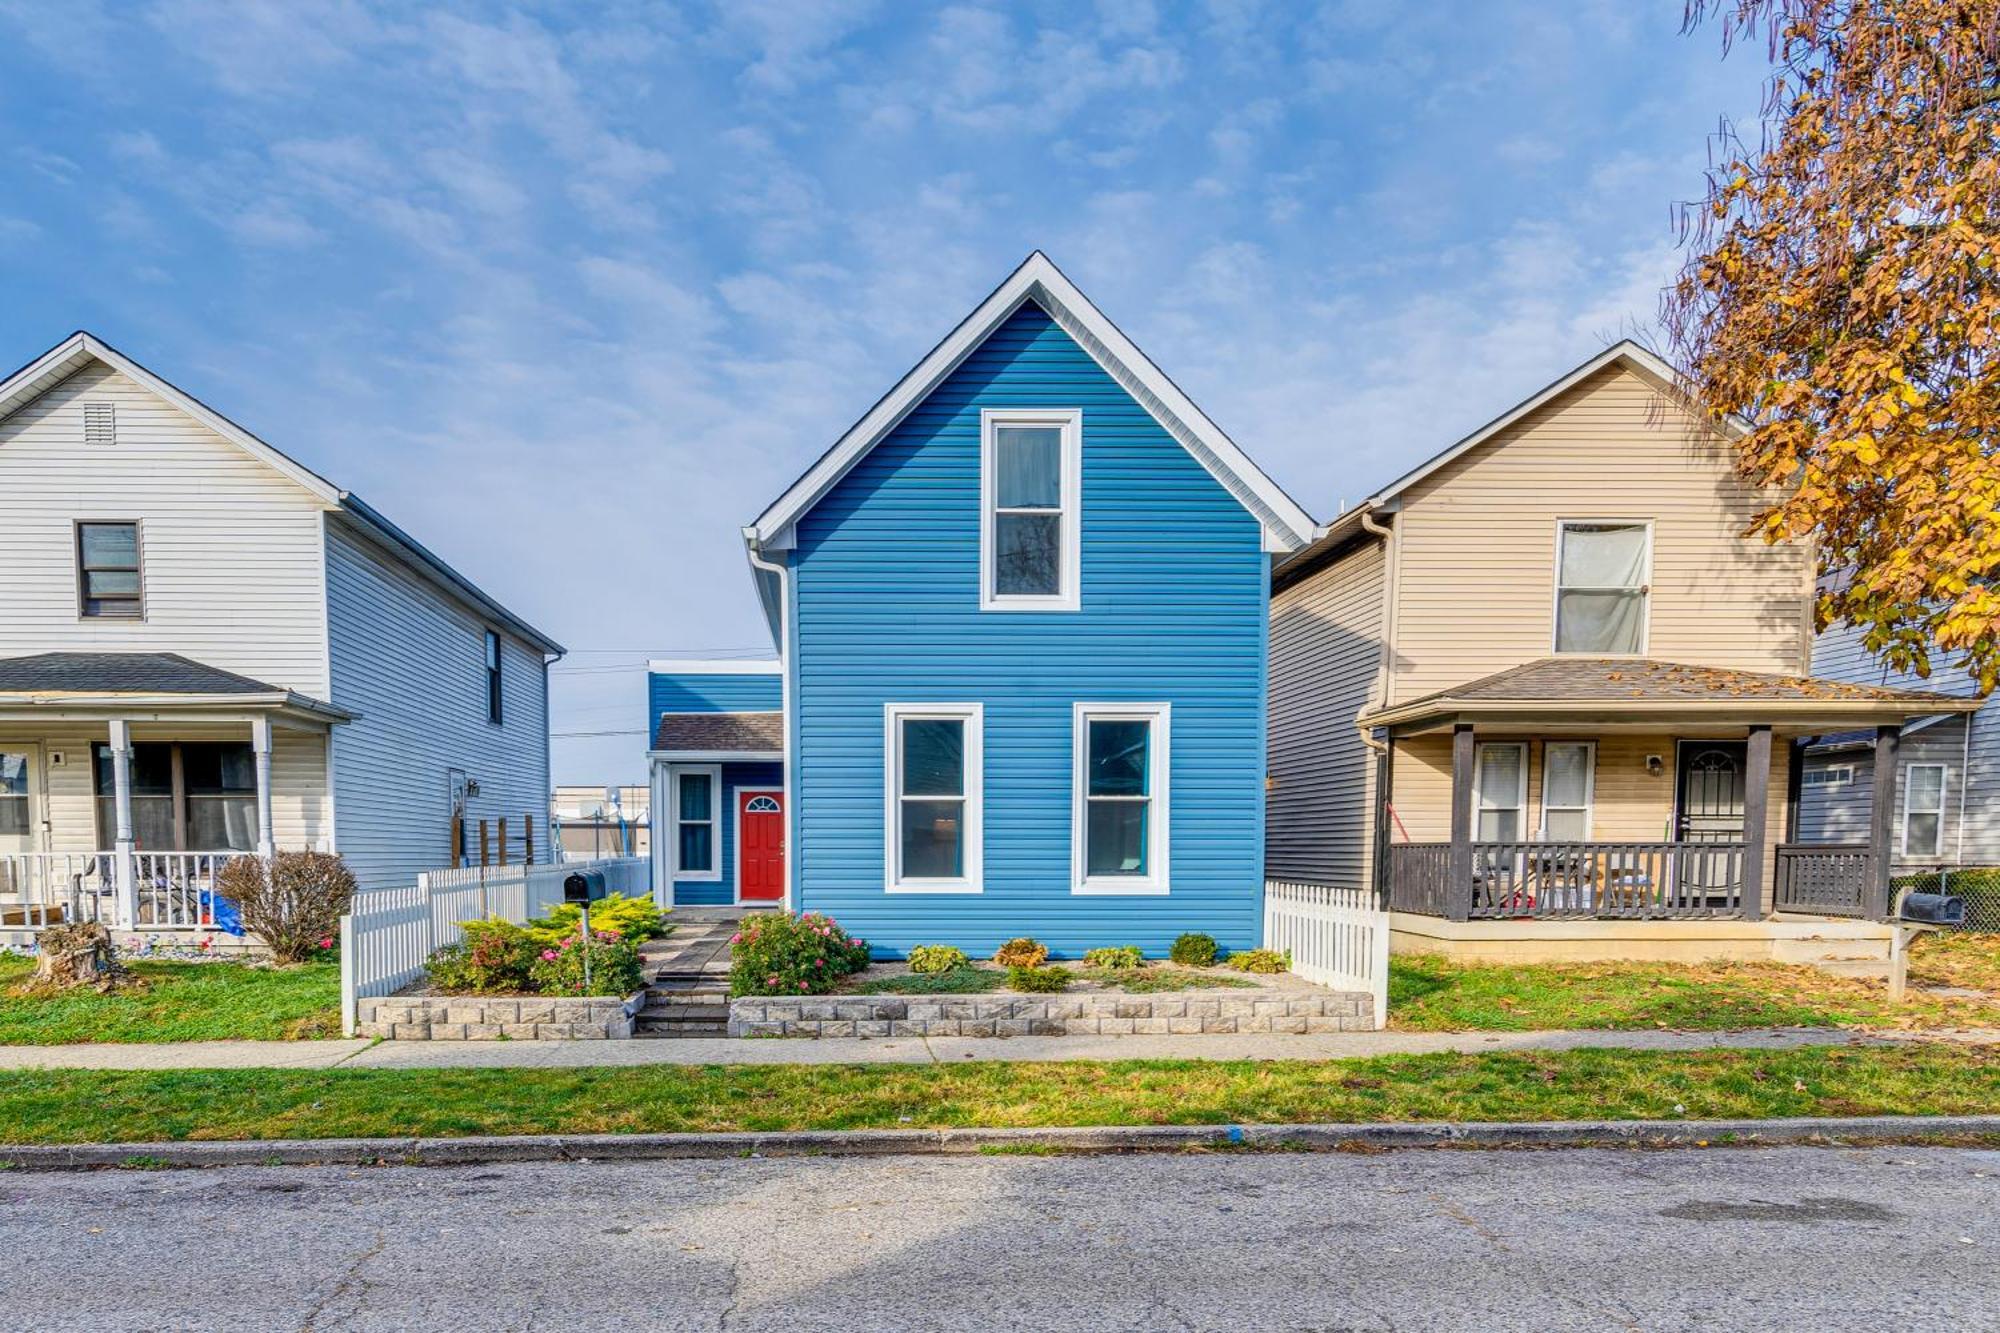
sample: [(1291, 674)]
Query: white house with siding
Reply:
[(207, 649)]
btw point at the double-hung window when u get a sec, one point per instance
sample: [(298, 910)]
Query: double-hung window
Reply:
[(1923, 810), (1500, 791), (1603, 569), (1030, 529), (933, 762), (1569, 774), (1119, 834), (693, 800), (493, 712), (107, 571)]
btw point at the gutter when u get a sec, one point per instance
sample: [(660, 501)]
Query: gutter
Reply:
[(788, 701)]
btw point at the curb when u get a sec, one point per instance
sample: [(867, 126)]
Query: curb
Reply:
[(932, 1142)]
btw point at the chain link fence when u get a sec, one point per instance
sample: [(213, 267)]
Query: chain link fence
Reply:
[(1978, 885)]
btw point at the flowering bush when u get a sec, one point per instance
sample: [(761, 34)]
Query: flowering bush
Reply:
[(928, 958), (492, 958), (782, 954), (614, 966)]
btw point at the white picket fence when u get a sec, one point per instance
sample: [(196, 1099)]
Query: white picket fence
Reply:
[(1336, 937), (388, 933)]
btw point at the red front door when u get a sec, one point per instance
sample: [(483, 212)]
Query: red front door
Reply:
[(760, 846)]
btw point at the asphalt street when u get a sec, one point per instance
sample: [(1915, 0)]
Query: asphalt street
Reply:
[(1791, 1238)]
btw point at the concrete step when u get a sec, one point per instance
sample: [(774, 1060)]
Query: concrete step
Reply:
[(704, 1030), (685, 1013)]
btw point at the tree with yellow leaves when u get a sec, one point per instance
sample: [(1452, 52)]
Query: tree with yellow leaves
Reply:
[(1841, 306)]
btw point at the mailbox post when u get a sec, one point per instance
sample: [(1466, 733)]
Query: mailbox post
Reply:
[(1915, 914), (584, 887)]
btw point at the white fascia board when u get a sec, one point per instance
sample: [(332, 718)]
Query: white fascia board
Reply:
[(1286, 525), (717, 666)]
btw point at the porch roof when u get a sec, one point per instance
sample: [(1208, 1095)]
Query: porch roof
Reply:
[(745, 735), (1638, 690), (120, 682)]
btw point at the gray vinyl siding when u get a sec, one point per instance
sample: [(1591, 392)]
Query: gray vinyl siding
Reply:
[(410, 660), (1838, 654), (1326, 654), (1840, 814)]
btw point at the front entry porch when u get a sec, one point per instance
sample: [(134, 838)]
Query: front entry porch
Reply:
[(128, 781), (1625, 792)]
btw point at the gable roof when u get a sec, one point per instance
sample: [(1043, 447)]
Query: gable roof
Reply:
[(1286, 526), (1625, 353), (81, 348)]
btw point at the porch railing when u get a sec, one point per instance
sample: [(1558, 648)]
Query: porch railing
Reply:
[(170, 890), (1575, 880), (1825, 879)]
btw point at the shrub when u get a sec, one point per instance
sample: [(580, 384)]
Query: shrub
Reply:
[(493, 958), (637, 919), (1022, 952), (937, 958), (1118, 958), (293, 904), (1260, 960), (1194, 949), (782, 954), (613, 962), (1038, 980)]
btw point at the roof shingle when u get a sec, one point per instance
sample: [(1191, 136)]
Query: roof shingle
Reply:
[(122, 673), (755, 733)]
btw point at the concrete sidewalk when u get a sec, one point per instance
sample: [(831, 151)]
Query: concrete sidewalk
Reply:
[(361, 1054)]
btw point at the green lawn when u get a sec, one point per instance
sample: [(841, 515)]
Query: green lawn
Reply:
[(1428, 994), (61, 1106), (181, 1002)]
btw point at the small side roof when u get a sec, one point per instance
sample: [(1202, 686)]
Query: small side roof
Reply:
[(758, 733), (82, 347), (1626, 353), (1286, 526)]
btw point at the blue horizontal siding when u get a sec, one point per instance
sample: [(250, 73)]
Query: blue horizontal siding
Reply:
[(747, 692), (1174, 592), (722, 892)]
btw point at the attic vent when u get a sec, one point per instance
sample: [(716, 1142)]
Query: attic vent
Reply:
[(99, 424)]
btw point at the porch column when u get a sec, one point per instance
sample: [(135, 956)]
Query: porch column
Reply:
[(1756, 820), (260, 745), (1458, 893), (126, 879), (1882, 823)]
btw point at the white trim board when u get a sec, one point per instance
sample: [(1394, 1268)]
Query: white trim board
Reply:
[(1286, 526), (671, 825)]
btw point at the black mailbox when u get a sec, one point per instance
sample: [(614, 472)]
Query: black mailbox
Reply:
[(583, 886), (1933, 909)]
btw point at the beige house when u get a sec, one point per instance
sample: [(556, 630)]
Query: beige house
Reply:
[(1544, 693)]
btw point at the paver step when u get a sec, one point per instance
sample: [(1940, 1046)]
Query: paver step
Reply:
[(686, 1013), (657, 1030)]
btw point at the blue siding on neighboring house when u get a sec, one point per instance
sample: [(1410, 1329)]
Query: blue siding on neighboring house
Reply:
[(722, 892), (693, 692), (1175, 597)]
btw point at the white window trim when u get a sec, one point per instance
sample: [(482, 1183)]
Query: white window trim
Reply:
[(675, 773), (1832, 775), (1478, 788), (972, 831), (1645, 588), (1159, 833), (1070, 421), (1589, 806), (1944, 779)]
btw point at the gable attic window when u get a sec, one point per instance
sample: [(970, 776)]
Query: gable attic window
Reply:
[(1030, 489), (1603, 570), (107, 571), (100, 424)]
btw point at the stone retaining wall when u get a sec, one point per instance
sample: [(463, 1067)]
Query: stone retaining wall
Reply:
[(1107, 1014), (489, 1018)]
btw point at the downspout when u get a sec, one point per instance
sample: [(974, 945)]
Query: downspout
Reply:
[(1381, 692), (786, 702)]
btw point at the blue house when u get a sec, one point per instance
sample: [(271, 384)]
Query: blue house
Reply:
[(1021, 609), (717, 782)]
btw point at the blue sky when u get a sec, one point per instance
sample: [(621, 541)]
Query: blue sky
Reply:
[(572, 292)]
